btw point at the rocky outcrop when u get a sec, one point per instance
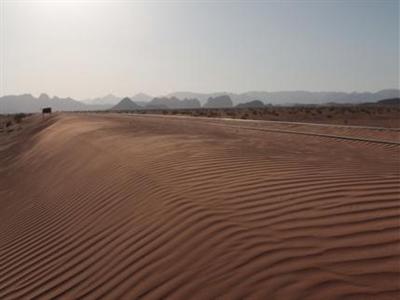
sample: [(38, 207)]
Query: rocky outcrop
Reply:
[(223, 101), (173, 103), (126, 104), (251, 104)]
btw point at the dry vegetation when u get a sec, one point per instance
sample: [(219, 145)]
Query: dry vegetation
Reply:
[(381, 116), (9, 123)]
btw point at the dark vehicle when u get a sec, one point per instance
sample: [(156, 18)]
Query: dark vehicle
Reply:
[(46, 110)]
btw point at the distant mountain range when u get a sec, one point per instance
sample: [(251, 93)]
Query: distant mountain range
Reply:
[(391, 102), (28, 103), (174, 102), (111, 100), (251, 104), (222, 101), (106, 100), (296, 97)]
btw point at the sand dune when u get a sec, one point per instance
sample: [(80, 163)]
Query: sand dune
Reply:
[(126, 207)]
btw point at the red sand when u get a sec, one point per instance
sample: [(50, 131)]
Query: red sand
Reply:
[(125, 207)]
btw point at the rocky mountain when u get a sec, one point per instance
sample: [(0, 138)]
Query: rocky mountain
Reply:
[(202, 97), (391, 102), (141, 98), (306, 97), (173, 103), (251, 104), (112, 100), (296, 97), (126, 104), (223, 101), (27, 103), (190, 103), (164, 101), (106, 100)]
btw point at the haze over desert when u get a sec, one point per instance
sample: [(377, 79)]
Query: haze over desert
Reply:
[(180, 150)]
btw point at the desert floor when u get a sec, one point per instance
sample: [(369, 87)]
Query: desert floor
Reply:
[(117, 206), (359, 115)]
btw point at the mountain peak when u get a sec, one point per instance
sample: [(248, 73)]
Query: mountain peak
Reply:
[(126, 104), (141, 97), (44, 97)]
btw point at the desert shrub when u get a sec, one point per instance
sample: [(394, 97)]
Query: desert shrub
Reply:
[(18, 117), (212, 114), (231, 113), (198, 113), (254, 111), (8, 123)]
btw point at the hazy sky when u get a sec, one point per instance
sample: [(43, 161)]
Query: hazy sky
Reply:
[(91, 48)]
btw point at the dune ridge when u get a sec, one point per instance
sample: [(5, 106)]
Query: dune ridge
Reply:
[(125, 207)]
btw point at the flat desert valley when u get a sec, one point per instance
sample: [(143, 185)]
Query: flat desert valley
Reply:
[(124, 206)]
